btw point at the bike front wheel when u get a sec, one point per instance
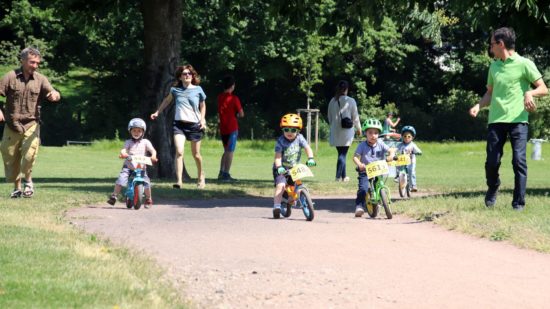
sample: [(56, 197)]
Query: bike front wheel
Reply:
[(286, 208), (307, 205), (138, 196), (372, 208), (129, 202), (385, 197)]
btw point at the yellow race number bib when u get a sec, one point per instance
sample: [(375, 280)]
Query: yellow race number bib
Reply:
[(300, 171), (403, 159), (377, 168)]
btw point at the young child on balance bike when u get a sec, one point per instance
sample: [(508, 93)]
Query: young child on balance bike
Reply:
[(288, 150), (136, 145), (407, 146), (372, 149)]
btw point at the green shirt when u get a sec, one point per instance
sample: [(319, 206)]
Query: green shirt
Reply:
[(510, 80)]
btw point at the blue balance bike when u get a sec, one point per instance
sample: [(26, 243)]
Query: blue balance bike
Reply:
[(134, 194)]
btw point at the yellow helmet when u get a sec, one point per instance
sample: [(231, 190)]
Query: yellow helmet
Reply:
[(291, 121)]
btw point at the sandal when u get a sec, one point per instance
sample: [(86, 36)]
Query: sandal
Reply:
[(176, 186), (28, 189), (16, 193), (148, 203), (202, 183)]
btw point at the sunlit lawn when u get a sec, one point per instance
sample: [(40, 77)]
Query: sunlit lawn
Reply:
[(45, 262)]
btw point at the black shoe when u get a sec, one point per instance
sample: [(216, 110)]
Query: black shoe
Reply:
[(518, 207), (228, 178), (276, 213), (112, 199), (491, 197)]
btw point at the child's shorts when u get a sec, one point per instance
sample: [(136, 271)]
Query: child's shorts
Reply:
[(122, 179), (229, 141), (278, 178)]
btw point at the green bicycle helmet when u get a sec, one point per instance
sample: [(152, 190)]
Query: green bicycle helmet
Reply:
[(372, 123)]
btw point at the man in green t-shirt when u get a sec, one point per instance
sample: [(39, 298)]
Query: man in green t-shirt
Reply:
[(512, 83)]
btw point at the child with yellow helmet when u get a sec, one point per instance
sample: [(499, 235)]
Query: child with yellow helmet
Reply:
[(288, 150)]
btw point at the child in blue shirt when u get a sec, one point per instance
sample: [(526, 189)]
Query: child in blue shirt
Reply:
[(407, 146), (372, 149), (288, 150)]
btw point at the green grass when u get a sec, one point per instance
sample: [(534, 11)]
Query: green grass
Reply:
[(45, 262)]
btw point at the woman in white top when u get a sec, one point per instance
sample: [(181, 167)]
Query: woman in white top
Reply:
[(342, 106), (189, 120)]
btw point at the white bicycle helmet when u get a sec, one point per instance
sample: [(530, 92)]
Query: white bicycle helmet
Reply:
[(137, 123)]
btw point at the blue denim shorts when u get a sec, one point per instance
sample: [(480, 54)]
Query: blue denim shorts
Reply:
[(230, 141)]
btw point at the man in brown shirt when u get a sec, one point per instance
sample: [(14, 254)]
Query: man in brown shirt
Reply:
[(24, 89)]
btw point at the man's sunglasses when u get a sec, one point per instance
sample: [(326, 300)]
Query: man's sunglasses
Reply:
[(291, 130)]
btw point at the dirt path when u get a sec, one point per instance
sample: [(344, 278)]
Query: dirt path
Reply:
[(231, 254)]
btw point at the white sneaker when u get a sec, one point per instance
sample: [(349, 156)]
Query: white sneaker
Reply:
[(359, 211), (345, 179)]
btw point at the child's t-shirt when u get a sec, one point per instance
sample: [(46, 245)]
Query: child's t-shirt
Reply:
[(410, 148), (369, 154), (228, 106), (291, 150), (138, 147)]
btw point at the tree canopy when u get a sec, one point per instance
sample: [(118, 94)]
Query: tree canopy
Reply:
[(425, 60)]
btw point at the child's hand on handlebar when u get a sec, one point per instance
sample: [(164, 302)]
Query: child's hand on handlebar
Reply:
[(123, 154)]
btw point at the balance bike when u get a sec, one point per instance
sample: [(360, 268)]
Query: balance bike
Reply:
[(296, 194)]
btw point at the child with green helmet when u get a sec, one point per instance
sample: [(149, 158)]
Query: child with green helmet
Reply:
[(372, 149), (407, 146)]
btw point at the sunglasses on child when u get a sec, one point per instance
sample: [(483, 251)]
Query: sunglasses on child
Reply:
[(291, 130)]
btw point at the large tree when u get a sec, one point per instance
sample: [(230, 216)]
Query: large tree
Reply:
[(162, 22)]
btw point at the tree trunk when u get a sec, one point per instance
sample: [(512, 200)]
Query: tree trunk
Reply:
[(162, 22)]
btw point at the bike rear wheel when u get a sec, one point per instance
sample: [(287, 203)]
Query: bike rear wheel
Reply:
[(384, 196), (372, 208), (138, 196), (403, 186), (307, 205), (286, 208)]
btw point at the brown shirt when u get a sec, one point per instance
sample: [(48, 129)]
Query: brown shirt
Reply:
[(23, 98)]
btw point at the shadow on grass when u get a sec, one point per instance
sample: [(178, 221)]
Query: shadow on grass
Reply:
[(162, 188), (539, 192)]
